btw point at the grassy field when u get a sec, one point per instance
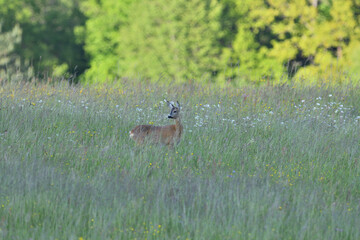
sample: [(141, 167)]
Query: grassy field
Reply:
[(253, 163)]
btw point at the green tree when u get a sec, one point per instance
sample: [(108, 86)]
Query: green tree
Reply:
[(247, 59), (48, 40), (330, 42), (306, 39), (9, 60), (101, 36), (177, 40)]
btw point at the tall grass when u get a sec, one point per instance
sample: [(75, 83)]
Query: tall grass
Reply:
[(254, 163)]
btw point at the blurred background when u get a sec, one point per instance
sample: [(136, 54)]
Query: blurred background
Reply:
[(228, 41)]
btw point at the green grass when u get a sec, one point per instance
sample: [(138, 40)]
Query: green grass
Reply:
[(254, 163)]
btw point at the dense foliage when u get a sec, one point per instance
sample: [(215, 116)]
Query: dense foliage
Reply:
[(48, 43), (209, 40)]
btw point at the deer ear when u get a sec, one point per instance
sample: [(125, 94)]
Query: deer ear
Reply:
[(178, 104)]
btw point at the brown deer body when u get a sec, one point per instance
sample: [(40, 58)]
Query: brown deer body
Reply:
[(167, 135)]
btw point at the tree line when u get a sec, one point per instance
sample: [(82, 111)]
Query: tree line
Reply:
[(235, 41)]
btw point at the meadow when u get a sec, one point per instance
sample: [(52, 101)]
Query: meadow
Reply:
[(268, 162)]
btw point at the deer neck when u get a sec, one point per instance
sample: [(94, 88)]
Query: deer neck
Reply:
[(178, 127)]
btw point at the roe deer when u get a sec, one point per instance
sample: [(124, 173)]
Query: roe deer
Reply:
[(168, 135)]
